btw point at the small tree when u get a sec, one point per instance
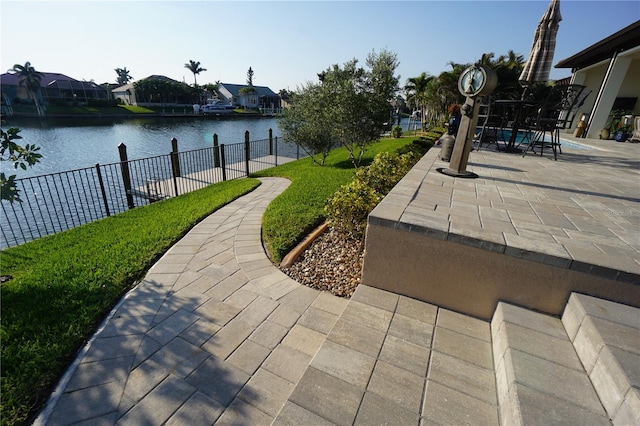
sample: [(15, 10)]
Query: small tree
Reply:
[(250, 77), (21, 156), (307, 122), (349, 106), (362, 100), (248, 91)]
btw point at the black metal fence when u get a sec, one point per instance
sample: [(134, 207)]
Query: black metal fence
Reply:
[(59, 201)]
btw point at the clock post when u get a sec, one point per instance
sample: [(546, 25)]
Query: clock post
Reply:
[(474, 81)]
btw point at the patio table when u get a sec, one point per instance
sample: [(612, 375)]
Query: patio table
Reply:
[(520, 108)]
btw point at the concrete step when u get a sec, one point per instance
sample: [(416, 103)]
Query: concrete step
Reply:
[(390, 359), (606, 337), (539, 377)]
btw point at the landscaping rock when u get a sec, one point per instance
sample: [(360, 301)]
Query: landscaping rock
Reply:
[(332, 263)]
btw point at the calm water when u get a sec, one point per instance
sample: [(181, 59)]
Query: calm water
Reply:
[(73, 144)]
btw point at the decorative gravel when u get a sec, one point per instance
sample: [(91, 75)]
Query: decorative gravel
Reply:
[(332, 263)]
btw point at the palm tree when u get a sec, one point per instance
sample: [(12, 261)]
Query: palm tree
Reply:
[(449, 85), (195, 68), (212, 89), (123, 76), (30, 78), (416, 91), (511, 60), (508, 68), (487, 59), (248, 92)]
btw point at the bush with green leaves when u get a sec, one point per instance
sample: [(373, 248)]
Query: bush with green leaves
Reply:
[(439, 130), (396, 132), (347, 210), (417, 146), (20, 156)]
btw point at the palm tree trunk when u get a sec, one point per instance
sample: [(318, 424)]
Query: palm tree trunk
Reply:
[(39, 108)]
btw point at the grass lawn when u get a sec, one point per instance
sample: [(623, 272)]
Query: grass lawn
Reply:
[(86, 110), (291, 216), (64, 284)]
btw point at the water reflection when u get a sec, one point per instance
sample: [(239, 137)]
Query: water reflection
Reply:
[(68, 144)]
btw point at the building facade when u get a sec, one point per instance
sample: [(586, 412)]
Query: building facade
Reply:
[(610, 69)]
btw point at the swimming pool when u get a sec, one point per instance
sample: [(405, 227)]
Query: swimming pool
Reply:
[(504, 135)]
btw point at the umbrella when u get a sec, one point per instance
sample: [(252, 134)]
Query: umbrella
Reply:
[(538, 64)]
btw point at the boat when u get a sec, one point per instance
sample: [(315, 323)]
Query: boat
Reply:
[(216, 107)]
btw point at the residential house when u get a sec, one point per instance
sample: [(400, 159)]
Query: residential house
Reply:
[(263, 97), (610, 69), (55, 88)]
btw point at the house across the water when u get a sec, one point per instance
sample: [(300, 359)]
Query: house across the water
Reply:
[(260, 97), (55, 89)]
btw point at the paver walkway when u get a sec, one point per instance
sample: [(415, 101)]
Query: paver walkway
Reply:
[(214, 332)]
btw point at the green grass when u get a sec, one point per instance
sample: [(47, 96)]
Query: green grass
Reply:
[(135, 109), (85, 110), (64, 284), (291, 216)]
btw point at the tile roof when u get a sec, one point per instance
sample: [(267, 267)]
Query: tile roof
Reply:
[(234, 89)]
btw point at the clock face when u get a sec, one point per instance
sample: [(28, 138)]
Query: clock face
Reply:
[(472, 81)]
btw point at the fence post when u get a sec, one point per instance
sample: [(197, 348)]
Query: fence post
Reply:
[(175, 160), (270, 141), (224, 163), (102, 190), (297, 152), (276, 151), (126, 176), (246, 151), (216, 151)]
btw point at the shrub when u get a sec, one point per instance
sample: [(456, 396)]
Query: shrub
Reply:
[(433, 135), (347, 210), (419, 147), (440, 130), (386, 170), (396, 132), (349, 207)]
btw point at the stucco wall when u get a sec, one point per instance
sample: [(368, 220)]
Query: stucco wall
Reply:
[(471, 280)]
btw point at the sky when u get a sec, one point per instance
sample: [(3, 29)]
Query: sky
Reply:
[(286, 43)]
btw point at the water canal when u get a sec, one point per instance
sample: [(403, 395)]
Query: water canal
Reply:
[(68, 144)]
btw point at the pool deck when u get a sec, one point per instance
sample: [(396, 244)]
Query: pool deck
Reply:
[(524, 223), (216, 334)]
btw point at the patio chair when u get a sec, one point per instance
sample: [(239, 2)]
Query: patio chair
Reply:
[(556, 112), (635, 137), (491, 124)]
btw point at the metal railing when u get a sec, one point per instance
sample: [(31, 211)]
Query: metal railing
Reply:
[(59, 201)]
